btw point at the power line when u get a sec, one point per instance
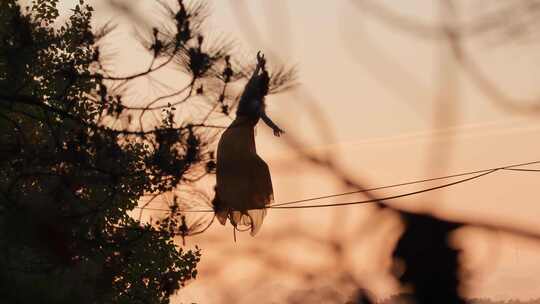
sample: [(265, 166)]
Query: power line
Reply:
[(388, 197), (510, 168), (523, 170), (285, 205)]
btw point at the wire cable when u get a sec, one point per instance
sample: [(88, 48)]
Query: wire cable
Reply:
[(387, 197), (286, 205), (522, 170), (411, 183)]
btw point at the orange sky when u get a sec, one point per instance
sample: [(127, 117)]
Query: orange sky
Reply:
[(377, 87)]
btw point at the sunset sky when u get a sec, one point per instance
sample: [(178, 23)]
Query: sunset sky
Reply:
[(377, 87)]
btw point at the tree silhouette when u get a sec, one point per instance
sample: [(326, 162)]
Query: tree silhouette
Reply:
[(429, 263), (69, 176)]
